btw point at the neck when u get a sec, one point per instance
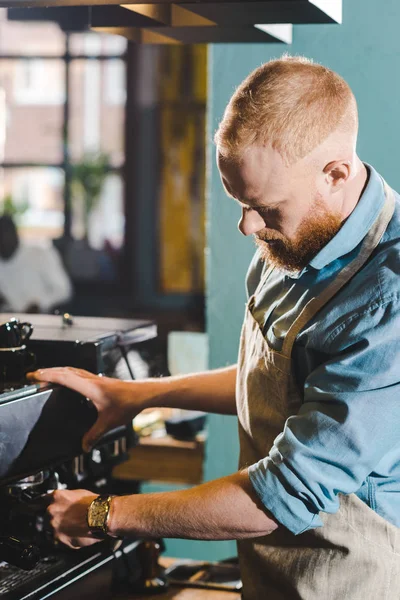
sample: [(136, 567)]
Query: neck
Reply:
[(355, 187)]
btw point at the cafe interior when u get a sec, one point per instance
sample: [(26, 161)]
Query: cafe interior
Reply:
[(108, 176)]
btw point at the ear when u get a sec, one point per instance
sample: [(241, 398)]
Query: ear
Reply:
[(337, 173)]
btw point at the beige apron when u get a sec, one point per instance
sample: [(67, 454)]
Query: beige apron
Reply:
[(356, 554)]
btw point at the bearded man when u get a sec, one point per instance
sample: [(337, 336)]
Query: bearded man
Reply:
[(315, 506)]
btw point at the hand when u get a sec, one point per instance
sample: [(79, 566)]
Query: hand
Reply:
[(117, 402), (68, 517)]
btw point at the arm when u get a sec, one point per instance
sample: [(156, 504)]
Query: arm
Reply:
[(118, 402), (212, 391), (223, 509)]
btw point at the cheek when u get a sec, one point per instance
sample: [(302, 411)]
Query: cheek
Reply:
[(273, 220), (292, 217)]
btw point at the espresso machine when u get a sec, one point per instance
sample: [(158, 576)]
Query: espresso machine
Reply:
[(41, 430)]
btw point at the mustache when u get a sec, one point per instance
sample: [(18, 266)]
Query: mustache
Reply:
[(267, 235)]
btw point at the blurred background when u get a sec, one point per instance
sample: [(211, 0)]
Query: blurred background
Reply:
[(102, 157)]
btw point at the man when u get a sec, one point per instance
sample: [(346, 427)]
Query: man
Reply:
[(315, 505), (33, 278)]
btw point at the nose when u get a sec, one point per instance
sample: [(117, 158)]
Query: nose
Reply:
[(250, 222)]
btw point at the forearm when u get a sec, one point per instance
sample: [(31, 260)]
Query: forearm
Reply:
[(223, 509), (213, 391)]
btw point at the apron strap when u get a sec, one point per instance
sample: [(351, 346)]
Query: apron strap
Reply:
[(369, 244)]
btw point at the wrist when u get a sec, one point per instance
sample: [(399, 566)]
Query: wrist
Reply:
[(154, 392), (133, 396)]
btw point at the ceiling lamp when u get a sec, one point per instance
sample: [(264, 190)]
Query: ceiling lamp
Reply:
[(160, 24), (237, 13)]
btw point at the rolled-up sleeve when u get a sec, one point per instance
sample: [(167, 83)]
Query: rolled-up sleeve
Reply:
[(348, 422)]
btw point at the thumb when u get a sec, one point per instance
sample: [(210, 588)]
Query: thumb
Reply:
[(93, 435)]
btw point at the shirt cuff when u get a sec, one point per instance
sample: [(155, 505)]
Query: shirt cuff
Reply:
[(281, 499)]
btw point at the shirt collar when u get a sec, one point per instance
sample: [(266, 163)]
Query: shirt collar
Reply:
[(357, 224)]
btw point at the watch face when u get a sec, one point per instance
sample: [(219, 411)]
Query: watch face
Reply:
[(98, 512)]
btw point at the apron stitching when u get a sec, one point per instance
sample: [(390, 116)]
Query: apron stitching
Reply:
[(389, 578)]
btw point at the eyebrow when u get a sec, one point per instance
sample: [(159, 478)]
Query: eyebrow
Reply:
[(247, 203), (250, 204)]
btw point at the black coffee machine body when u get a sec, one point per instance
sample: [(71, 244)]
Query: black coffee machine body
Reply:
[(15, 358), (41, 430)]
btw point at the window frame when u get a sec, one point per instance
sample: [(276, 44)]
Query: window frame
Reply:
[(67, 58)]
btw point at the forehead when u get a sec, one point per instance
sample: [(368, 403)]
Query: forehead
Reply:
[(260, 167)]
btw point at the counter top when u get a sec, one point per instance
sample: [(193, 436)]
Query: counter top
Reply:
[(98, 585), (182, 593), (179, 593)]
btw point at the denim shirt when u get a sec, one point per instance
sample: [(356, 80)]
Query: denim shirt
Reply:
[(346, 435)]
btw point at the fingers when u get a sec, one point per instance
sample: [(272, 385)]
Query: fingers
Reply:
[(84, 383), (77, 543), (78, 380), (44, 500), (67, 512), (57, 372)]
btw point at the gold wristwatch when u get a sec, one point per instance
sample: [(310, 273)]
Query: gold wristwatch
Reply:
[(98, 515)]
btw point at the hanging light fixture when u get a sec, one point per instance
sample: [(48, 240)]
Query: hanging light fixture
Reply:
[(187, 22)]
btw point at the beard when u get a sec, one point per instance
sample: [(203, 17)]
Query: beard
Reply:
[(313, 234)]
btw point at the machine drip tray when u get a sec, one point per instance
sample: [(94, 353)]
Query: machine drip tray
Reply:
[(57, 572)]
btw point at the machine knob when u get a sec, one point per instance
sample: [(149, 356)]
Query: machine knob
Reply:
[(67, 320), (18, 553)]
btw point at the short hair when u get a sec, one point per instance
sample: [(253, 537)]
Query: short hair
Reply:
[(291, 103)]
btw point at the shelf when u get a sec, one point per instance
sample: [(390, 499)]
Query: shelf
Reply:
[(164, 459)]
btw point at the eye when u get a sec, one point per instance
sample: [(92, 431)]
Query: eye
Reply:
[(263, 210)]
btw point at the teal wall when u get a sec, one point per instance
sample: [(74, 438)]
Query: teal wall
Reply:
[(365, 50)]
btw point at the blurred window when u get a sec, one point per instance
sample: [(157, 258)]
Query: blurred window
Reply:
[(115, 82), (32, 96), (30, 39), (57, 87), (97, 44), (39, 82), (106, 222), (37, 196), (97, 109)]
